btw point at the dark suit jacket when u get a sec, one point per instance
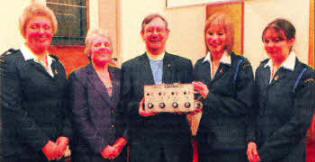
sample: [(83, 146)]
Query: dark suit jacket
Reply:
[(162, 128), (224, 124), (93, 110), (284, 116), (34, 105)]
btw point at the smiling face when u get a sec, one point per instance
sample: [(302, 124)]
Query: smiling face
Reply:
[(38, 34), (277, 45), (101, 50), (216, 40), (155, 35)]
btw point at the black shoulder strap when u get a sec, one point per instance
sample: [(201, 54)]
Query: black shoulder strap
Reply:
[(9, 51), (237, 69), (298, 79), (54, 57)]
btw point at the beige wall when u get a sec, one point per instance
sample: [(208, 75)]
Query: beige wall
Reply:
[(186, 26), (258, 13), (9, 30), (10, 12)]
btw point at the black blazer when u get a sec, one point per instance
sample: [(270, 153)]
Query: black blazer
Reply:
[(166, 127), (284, 116), (93, 110), (34, 105), (224, 124)]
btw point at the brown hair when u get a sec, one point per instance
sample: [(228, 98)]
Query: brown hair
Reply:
[(149, 18), (281, 26)]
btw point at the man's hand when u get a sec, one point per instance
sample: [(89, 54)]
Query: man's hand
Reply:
[(142, 112)]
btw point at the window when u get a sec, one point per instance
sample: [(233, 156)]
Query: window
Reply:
[(72, 21)]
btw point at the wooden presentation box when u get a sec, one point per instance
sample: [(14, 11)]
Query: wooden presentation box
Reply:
[(169, 98)]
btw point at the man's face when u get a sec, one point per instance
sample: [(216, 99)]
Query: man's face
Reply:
[(155, 36)]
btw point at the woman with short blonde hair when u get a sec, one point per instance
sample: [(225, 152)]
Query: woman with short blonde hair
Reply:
[(36, 125), (225, 82)]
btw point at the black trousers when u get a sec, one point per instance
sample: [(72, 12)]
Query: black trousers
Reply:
[(208, 154), (160, 152)]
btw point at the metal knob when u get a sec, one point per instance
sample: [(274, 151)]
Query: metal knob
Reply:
[(187, 104), (175, 104), (150, 105), (162, 105)]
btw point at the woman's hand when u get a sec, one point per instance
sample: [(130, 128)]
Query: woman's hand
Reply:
[(120, 144), (62, 145), (50, 150), (110, 152), (201, 88), (252, 152), (142, 112)]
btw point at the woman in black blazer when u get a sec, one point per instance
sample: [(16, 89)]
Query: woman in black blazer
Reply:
[(285, 99), (33, 92), (225, 81), (94, 96)]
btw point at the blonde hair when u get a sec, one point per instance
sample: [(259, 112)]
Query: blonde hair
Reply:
[(222, 21), (33, 10), (92, 33)]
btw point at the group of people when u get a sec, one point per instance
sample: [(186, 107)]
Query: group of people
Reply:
[(95, 114)]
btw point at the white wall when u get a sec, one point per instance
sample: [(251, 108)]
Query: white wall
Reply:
[(186, 26), (10, 12), (258, 13)]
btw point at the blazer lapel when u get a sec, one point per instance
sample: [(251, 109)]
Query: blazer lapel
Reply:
[(281, 74), (205, 73), (116, 85), (98, 85), (222, 69), (168, 69), (38, 67), (145, 71)]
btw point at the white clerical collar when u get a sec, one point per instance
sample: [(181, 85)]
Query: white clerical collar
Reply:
[(155, 57), (289, 63), (225, 59)]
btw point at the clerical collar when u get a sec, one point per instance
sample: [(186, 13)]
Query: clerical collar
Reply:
[(155, 57)]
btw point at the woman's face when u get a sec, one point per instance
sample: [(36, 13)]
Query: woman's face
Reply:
[(277, 47), (38, 34), (216, 39), (101, 51)]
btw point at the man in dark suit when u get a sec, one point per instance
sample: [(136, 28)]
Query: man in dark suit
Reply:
[(155, 137)]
